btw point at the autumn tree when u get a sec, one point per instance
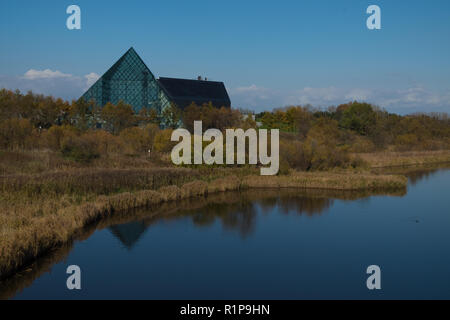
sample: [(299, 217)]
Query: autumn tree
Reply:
[(171, 116), (140, 139), (14, 133), (211, 117), (162, 142), (190, 114), (118, 117), (81, 113), (148, 116), (49, 111)]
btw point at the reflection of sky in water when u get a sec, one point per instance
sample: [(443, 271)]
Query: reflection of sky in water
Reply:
[(313, 244)]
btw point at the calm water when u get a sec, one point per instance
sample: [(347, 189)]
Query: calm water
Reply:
[(262, 245)]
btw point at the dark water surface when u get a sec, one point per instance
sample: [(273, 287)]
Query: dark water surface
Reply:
[(264, 244)]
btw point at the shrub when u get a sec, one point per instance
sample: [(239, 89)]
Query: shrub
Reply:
[(361, 144), (14, 133), (291, 154), (105, 143), (406, 141), (79, 149), (55, 135), (139, 140), (161, 141), (319, 156)]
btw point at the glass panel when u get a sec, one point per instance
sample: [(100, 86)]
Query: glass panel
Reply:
[(131, 81)]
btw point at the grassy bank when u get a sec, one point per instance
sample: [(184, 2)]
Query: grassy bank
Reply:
[(44, 204), (329, 180), (31, 229), (407, 158), (219, 207)]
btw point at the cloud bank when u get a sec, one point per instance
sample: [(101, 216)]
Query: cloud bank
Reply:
[(412, 99), (44, 74), (417, 98), (49, 82)]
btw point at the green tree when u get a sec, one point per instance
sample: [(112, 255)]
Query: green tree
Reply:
[(359, 117)]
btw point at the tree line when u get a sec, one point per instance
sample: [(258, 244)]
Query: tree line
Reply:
[(310, 138)]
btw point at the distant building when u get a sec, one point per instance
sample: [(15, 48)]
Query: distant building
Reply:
[(131, 81), (183, 92)]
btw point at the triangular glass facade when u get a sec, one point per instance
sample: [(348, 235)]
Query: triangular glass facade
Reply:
[(131, 81)]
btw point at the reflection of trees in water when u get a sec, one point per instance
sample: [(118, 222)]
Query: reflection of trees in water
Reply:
[(231, 209), (416, 173), (238, 211), (416, 176), (238, 216), (13, 285), (234, 210), (285, 202), (25, 278), (303, 205)]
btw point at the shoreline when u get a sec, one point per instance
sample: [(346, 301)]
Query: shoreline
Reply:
[(37, 240), (167, 210), (391, 159), (55, 228)]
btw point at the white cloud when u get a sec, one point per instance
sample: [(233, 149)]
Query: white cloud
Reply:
[(91, 78), (251, 88), (49, 82), (358, 94), (255, 97), (33, 74), (398, 100), (315, 96), (413, 98)]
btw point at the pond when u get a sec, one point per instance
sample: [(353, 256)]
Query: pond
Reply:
[(261, 244)]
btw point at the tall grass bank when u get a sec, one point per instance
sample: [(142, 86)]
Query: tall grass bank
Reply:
[(28, 232)]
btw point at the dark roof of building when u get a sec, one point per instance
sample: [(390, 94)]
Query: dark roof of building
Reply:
[(184, 91)]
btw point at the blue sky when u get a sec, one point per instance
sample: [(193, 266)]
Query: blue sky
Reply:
[(268, 53)]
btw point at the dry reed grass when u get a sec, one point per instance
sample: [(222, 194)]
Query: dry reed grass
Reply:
[(94, 181), (30, 230), (328, 180), (408, 158), (309, 201)]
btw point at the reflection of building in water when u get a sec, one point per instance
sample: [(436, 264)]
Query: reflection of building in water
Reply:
[(128, 233), (236, 211)]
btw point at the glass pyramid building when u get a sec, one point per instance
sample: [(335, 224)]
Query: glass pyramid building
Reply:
[(131, 81)]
